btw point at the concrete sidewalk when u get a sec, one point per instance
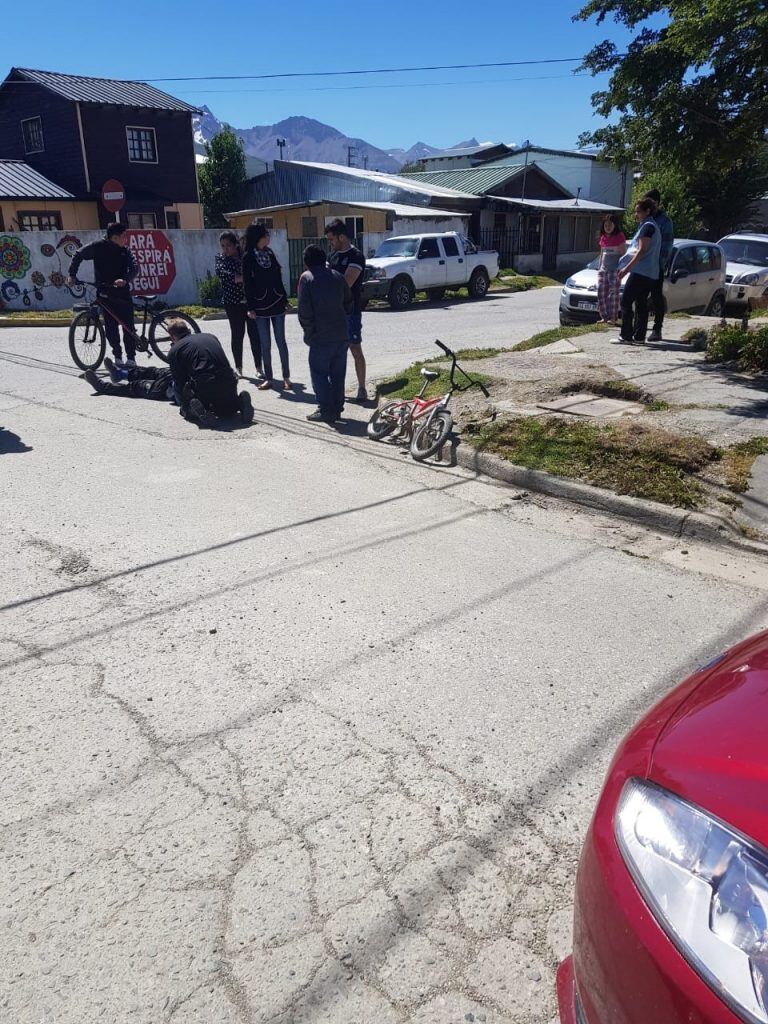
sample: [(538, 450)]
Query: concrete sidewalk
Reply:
[(721, 405)]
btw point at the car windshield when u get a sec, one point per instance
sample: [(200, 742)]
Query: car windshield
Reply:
[(398, 247), (744, 250)]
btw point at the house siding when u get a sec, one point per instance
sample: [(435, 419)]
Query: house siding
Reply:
[(62, 159)]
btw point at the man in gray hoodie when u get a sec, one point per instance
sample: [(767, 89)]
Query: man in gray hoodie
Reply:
[(325, 301)]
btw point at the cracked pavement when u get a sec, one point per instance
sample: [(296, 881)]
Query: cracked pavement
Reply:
[(297, 730)]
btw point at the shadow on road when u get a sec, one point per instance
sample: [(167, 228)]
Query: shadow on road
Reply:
[(11, 444)]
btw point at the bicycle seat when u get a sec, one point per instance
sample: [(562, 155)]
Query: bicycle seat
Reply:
[(429, 374)]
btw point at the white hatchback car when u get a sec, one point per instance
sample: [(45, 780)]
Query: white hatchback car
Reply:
[(695, 281), (747, 269)]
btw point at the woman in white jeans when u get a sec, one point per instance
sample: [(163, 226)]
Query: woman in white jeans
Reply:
[(266, 299)]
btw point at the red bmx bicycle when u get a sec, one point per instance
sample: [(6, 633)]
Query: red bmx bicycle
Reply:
[(424, 422)]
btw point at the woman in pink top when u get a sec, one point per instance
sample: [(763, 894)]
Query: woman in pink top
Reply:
[(612, 245)]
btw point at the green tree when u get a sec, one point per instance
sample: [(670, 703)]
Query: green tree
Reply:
[(689, 96), (677, 200), (221, 177)]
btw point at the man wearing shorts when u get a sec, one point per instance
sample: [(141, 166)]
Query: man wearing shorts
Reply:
[(350, 263)]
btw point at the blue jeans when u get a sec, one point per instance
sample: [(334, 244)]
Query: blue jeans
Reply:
[(278, 326), (328, 370)]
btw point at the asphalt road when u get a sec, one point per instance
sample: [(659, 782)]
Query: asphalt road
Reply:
[(295, 729)]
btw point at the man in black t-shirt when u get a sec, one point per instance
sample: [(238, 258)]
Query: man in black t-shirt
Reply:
[(350, 263), (113, 269)]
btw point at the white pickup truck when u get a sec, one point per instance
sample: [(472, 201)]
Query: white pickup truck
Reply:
[(408, 264)]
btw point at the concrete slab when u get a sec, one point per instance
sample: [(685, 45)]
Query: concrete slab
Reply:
[(755, 507), (510, 408), (561, 348), (592, 406)]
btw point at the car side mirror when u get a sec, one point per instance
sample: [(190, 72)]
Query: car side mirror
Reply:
[(676, 275)]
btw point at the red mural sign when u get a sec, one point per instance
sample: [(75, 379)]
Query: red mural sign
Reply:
[(153, 253)]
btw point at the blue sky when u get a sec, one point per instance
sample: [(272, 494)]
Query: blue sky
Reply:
[(163, 38)]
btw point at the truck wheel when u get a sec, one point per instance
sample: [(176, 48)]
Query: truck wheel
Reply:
[(478, 283), (435, 294), (401, 293)]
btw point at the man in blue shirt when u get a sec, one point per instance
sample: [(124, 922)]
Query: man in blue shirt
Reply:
[(667, 230), (643, 271)]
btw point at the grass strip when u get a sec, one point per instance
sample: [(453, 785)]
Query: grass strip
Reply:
[(626, 458), (625, 390), (408, 383), (738, 460), (559, 334)]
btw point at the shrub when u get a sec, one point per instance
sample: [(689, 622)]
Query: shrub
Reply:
[(209, 290), (754, 351), (724, 344)]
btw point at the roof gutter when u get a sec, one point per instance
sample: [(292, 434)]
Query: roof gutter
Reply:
[(82, 147)]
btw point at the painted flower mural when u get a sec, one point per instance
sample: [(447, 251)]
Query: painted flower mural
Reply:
[(15, 259), (38, 279), (57, 279)]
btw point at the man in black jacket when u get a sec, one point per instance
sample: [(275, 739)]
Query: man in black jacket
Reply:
[(113, 269), (203, 377), (325, 302)]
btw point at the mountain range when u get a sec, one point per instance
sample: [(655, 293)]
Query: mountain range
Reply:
[(310, 140)]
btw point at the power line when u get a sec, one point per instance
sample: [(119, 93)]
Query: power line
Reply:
[(368, 71)]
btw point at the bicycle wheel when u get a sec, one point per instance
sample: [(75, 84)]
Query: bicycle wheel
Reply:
[(159, 339), (87, 343), (384, 421), (432, 436)]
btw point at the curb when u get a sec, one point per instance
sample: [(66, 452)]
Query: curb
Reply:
[(702, 526), (23, 322)]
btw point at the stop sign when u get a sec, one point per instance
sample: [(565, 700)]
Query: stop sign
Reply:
[(154, 255), (112, 195)]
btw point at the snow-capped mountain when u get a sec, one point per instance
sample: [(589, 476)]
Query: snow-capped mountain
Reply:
[(307, 139)]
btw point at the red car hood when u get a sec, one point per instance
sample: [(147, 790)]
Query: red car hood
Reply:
[(713, 750)]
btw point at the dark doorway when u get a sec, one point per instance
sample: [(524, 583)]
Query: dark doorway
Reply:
[(549, 246)]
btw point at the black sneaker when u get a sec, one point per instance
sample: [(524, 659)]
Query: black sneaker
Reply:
[(655, 335), (115, 374), (200, 414), (319, 417), (246, 407), (94, 380)]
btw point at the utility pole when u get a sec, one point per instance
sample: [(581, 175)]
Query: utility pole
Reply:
[(351, 151), (365, 161), (520, 229), (578, 194), (280, 146)]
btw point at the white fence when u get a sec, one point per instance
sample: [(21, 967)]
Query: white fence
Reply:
[(34, 265)]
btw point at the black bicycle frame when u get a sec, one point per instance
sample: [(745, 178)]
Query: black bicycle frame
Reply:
[(472, 383)]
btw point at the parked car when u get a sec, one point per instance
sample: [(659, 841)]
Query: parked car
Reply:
[(432, 263), (695, 280), (671, 908), (746, 272)]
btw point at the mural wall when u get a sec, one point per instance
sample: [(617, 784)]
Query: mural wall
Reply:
[(34, 265)]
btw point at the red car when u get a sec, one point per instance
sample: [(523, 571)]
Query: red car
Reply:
[(671, 908)]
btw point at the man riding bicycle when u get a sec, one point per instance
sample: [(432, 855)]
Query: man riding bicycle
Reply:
[(114, 267)]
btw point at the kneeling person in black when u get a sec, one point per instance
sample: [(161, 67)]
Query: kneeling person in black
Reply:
[(203, 378)]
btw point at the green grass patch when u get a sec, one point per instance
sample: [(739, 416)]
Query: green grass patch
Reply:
[(747, 348), (41, 315), (198, 312), (738, 460), (408, 383), (627, 458), (511, 281), (559, 334)]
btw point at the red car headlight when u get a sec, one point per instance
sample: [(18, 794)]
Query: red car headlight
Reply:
[(707, 885)]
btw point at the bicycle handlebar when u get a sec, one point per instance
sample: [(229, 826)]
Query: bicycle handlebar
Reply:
[(455, 366)]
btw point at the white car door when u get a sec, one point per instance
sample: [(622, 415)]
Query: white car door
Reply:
[(455, 262), (680, 288), (707, 273), (429, 271)]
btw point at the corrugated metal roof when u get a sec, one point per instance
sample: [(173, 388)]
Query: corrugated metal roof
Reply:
[(428, 187), (477, 181), (20, 181), (83, 89), (446, 154), (560, 205), (398, 209)]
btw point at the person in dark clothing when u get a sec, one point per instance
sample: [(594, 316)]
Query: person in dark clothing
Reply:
[(325, 302), (229, 270), (113, 270), (198, 378), (350, 262), (667, 229), (643, 270), (266, 299), (138, 382)]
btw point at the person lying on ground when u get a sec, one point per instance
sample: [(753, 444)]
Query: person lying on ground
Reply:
[(195, 379)]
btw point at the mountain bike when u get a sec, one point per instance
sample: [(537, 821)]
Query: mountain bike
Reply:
[(87, 337), (425, 422)]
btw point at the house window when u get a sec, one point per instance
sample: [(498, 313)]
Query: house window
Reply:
[(309, 227), (32, 129), (36, 220), (142, 220), (172, 219), (142, 147), (266, 221)]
